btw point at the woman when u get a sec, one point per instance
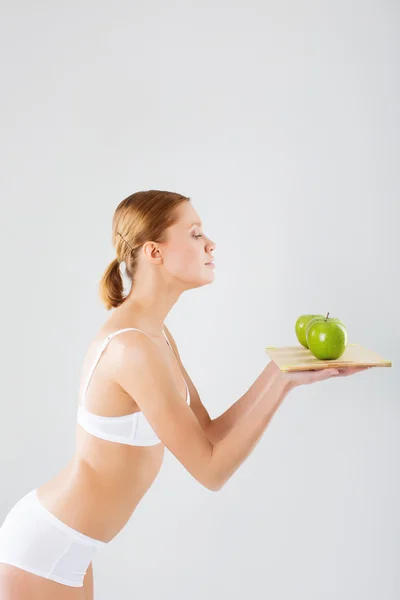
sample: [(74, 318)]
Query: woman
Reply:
[(135, 398)]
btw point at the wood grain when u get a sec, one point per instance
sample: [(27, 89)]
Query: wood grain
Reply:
[(298, 358)]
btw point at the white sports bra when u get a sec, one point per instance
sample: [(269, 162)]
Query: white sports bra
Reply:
[(132, 429)]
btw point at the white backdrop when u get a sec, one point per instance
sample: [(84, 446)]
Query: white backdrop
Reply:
[(280, 120)]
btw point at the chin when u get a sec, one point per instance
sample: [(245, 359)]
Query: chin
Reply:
[(201, 282), (209, 279)]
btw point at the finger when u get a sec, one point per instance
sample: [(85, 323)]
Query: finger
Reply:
[(351, 371), (322, 374)]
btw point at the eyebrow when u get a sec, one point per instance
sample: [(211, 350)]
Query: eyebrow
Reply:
[(196, 223)]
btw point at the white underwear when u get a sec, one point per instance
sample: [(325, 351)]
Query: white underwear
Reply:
[(33, 539)]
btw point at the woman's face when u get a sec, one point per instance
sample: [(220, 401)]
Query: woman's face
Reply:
[(188, 249)]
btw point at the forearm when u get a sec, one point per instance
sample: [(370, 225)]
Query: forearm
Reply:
[(219, 427), (229, 453)]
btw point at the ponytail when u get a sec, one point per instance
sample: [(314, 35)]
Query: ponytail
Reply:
[(111, 286)]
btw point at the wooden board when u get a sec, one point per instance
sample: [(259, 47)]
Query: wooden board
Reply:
[(298, 358)]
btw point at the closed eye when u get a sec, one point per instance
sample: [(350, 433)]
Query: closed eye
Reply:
[(198, 236)]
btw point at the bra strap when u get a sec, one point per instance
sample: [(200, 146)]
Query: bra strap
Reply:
[(166, 339), (100, 352), (187, 388)]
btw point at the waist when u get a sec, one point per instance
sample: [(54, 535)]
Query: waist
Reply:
[(96, 506)]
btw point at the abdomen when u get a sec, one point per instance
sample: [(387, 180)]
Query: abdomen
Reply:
[(101, 486)]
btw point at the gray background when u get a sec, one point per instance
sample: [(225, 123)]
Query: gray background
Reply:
[(281, 121)]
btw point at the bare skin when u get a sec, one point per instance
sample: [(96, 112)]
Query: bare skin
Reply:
[(17, 584), (100, 487)]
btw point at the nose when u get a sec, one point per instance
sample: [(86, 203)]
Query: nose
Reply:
[(211, 246)]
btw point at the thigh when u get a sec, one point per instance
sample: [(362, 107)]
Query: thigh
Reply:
[(88, 583), (16, 584)]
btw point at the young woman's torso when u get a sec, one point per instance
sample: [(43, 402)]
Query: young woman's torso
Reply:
[(98, 490)]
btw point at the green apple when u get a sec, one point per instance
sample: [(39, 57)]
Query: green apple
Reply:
[(326, 338), (311, 321), (301, 326), (319, 318)]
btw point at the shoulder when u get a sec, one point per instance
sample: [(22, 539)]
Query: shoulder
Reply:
[(129, 343)]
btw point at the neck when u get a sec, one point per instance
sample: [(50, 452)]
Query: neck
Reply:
[(148, 306)]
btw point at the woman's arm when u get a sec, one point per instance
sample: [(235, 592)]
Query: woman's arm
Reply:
[(196, 404), (219, 427), (141, 370), (229, 453), (216, 429)]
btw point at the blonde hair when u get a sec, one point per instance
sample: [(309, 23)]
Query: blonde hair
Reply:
[(141, 217)]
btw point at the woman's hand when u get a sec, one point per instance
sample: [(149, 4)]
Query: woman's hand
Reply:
[(297, 378)]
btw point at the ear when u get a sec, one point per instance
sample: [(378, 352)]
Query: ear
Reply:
[(152, 252)]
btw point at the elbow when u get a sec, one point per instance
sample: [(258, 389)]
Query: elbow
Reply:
[(215, 486), (213, 482), (212, 486)]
